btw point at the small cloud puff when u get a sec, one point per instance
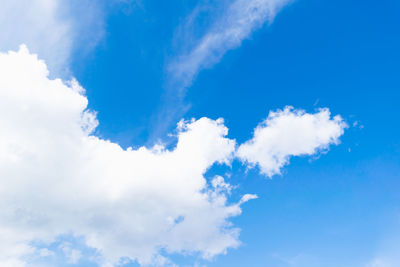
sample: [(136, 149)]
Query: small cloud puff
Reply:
[(287, 133)]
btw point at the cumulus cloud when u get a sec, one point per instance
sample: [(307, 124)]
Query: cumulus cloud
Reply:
[(287, 133), (57, 178), (236, 23), (52, 28)]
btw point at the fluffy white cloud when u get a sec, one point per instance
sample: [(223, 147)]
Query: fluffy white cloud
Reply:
[(238, 20), (52, 28), (58, 179), (287, 133)]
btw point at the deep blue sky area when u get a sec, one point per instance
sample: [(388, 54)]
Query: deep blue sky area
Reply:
[(340, 208)]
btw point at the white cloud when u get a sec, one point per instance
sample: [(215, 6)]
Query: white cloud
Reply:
[(52, 28), (238, 20), (44, 252), (287, 133), (58, 179), (233, 22)]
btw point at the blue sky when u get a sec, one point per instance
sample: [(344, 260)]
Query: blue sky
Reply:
[(336, 206)]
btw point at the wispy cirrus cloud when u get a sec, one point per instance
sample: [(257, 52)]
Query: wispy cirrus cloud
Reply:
[(235, 22), (202, 45)]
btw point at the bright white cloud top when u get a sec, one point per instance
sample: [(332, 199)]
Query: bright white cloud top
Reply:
[(287, 133), (57, 178), (238, 21)]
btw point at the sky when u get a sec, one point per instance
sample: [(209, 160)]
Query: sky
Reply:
[(200, 133)]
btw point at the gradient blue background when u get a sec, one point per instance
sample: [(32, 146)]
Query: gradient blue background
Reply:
[(338, 209)]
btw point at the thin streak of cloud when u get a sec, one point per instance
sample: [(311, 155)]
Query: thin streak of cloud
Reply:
[(238, 21), (231, 23)]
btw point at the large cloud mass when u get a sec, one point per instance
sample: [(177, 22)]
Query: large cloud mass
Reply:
[(57, 178)]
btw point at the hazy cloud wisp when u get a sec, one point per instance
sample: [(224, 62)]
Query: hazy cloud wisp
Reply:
[(239, 19), (51, 28)]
